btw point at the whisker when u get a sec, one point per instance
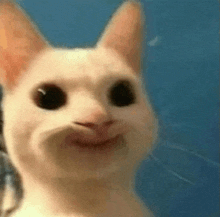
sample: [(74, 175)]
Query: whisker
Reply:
[(192, 153), (169, 170), (181, 125)]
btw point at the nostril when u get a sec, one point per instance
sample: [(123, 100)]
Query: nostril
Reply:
[(89, 125), (109, 123)]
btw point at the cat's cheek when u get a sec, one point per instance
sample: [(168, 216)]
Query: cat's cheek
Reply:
[(20, 154), (142, 136), (137, 147), (17, 133)]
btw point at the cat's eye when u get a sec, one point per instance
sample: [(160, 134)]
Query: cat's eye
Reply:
[(122, 94), (49, 96)]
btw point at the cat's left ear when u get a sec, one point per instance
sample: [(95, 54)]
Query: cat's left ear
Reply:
[(124, 33), (19, 43)]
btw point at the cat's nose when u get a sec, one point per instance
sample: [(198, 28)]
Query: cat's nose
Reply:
[(98, 121), (101, 128)]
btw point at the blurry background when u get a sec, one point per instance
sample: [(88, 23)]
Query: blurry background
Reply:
[(181, 63)]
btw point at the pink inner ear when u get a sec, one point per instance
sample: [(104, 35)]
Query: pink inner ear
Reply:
[(19, 43), (16, 57), (12, 66), (124, 34)]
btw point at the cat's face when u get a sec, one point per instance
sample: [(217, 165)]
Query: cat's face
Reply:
[(80, 112)]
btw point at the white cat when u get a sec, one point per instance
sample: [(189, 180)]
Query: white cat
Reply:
[(77, 122)]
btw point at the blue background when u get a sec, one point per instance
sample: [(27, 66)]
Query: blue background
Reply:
[(181, 63)]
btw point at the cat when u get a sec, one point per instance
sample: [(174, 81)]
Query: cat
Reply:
[(77, 122)]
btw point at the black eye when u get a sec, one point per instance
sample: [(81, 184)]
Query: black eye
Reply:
[(49, 96), (122, 94)]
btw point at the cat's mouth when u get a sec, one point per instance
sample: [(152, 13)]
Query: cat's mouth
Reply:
[(96, 145)]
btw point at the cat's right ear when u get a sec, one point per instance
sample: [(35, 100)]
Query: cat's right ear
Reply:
[(124, 33), (20, 42)]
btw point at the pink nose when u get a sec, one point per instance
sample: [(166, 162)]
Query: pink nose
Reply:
[(100, 128), (95, 118)]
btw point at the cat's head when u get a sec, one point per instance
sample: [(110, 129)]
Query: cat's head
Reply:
[(74, 112)]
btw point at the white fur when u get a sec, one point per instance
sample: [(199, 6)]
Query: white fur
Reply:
[(65, 181)]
